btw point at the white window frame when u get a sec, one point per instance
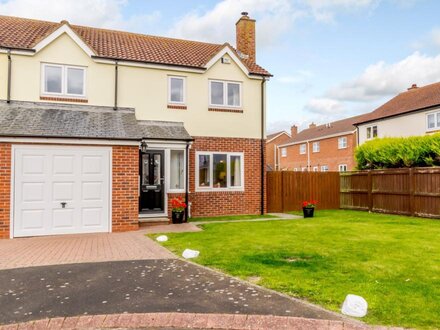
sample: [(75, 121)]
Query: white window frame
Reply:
[(284, 152), (168, 174), (303, 169), (301, 151), (64, 70), (316, 147), (169, 89), (225, 94), (342, 142), (211, 174), (371, 128), (324, 168), (436, 115), (315, 168), (343, 168)]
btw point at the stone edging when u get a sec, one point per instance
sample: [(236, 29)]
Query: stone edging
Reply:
[(187, 320)]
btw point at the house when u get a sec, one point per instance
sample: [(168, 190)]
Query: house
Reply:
[(328, 147), (413, 112), (100, 129), (272, 150)]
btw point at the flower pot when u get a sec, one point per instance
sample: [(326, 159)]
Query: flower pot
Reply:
[(177, 217), (308, 212)]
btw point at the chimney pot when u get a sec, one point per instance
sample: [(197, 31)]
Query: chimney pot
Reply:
[(245, 37), (293, 130), (413, 86), (312, 125)]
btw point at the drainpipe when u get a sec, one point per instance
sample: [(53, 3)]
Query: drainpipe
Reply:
[(308, 156), (116, 86), (263, 84), (187, 182), (8, 95)]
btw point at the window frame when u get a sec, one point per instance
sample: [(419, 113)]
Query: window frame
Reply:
[(64, 80), (211, 174), (371, 129), (305, 149), (318, 149), (183, 92), (343, 165), (324, 168), (225, 94), (436, 115), (315, 169), (168, 174), (343, 145), (283, 152)]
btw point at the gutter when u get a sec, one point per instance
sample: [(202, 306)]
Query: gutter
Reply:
[(263, 144)]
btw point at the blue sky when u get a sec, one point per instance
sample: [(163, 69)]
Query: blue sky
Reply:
[(330, 58)]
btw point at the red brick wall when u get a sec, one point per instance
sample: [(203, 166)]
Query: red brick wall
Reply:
[(329, 155), (5, 189), (125, 210), (214, 203), (271, 153)]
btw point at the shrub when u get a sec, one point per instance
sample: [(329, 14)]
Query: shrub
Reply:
[(415, 151)]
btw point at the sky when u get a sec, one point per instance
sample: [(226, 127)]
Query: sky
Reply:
[(331, 59)]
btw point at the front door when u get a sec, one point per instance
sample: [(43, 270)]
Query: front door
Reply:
[(152, 182)]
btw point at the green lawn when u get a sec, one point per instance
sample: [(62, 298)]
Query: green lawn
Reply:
[(392, 261), (234, 217)]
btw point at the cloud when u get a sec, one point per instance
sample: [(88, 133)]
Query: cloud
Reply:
[(99, 13), (435, 37), (325, 106), (299, 77), (275, 17), (381, 79)]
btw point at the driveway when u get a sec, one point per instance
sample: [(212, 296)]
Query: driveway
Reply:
[(67, 249)]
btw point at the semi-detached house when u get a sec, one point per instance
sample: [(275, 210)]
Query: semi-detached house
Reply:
[(99, 129)]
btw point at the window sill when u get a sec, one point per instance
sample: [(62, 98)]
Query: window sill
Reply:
[(177, 106), (63, 99), (225, 110), (220, 190)]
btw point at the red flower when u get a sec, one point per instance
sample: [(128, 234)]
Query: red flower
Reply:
[(177, 204), (311, 203)]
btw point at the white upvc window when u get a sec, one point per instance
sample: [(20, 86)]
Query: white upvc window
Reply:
[(315, 168), (219, 171), (176, 90), (283, 152), (315, 147), (371, 132), (433, 121), (225, 94), (342, 142), (303, 169), (343, 168), (295, 169), (63, 80), (302, 149), (177, 170), (324, 168)]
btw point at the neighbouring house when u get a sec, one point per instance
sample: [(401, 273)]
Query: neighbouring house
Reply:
[(99, 129), (413, 112), (322, 148), (272, 151)]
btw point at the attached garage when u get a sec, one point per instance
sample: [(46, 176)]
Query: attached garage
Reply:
[(61, 190)]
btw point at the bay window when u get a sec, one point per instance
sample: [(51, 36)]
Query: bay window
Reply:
[(220, 171), (63, 80), (224, 93)]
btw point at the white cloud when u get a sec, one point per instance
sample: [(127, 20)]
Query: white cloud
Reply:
[(325, 10), (299, 77), (324, 106), (99, 13)]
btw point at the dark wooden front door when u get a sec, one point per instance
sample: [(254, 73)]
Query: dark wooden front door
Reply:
[(152, 181)]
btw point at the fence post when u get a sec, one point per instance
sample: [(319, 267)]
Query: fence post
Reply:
[(411, 192), (283, 182), (370, 191)]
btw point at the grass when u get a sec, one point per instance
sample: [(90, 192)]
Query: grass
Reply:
[(234, 217), (392, 261)]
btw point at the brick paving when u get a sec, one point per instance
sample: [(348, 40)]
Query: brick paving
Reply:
[(81, 248)]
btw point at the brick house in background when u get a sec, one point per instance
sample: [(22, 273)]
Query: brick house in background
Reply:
[(328, 147), (272, 151), (100, 129)]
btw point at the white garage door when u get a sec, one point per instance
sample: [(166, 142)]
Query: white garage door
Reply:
[(61, 190)]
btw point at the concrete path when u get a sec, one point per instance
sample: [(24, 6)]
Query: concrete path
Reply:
[(67, 249), (143, 286)]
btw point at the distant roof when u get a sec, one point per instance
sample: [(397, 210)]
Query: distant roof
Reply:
[(23, 33), (321, 131), (28, 119), (411, 100), (273, 135)]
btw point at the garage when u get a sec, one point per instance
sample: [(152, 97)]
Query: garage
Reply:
[(60, 190)]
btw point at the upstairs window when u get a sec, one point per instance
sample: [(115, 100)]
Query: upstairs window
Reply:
[(283, 152), (176, 90), (433, 121), (315, 146), (302, 149), (342, 142), (324, 168), (63, 80), (371, 132), (224, 94)]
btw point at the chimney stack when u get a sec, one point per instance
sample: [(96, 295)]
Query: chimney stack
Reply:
[(312, 125), (245, 37), (293, 130), (413, 86)]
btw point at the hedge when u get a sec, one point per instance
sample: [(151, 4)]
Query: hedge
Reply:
[(415, 151)]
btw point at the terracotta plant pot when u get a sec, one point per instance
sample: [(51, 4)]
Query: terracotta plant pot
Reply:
[(308, 212), (177, 217)]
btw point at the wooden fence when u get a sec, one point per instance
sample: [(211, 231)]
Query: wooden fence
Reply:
[(414, 191), (286, 190)]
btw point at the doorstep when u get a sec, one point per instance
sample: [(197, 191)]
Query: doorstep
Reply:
[(159, 221)]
